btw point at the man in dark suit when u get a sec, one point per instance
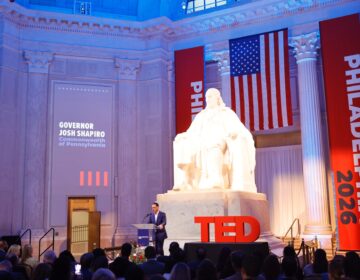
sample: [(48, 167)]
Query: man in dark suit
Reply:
[(158, 218)]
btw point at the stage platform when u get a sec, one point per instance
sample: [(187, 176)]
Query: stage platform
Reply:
[(213, 249)]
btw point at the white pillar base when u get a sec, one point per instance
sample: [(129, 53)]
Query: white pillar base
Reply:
[(317, 230)]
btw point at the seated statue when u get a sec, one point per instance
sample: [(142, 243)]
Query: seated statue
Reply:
[(217, 151)]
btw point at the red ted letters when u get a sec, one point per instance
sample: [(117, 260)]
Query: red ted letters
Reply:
[(221, 228)]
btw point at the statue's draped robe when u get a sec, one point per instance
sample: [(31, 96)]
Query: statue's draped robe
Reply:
[(215, 139)]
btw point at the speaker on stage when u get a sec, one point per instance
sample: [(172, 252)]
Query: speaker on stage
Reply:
[(11, 239)]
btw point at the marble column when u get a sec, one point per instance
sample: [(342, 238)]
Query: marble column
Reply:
[(127, 184), (36, 140), (316, 195), (171, 115), (223, 60)]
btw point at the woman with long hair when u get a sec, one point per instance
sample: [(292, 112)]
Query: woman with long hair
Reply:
[(319, 266)]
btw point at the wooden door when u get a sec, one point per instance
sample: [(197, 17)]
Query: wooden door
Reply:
[(94, 230), (79, 208)]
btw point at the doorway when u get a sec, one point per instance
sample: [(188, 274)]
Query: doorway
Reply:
[(83, 231)]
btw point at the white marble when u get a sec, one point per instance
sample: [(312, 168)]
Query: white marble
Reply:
[(317, 209), (181, 208), (217, 150), (36, 139)]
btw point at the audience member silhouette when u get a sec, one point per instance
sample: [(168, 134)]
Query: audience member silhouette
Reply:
[(352, 265), (67, 254), (6, 266), (336, 268), (15, 249), (17, 268), (49, 257), (85, 262), (236, 262), (152, 266), (319, 266), (170, 260), (271, 268), (289, 251), (103, 274), (173, 247), (289, 268), (206, 271), (180, 271), (119, 267), (223, 265), (27, 259), (135, 273), (125, 250), (42, 271), (99, 262), (200, 256), (62, 268), (98, 252), (125, 253), (250, 266), (243, 267)]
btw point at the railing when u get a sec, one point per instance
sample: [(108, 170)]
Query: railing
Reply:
[(51, 245), (22, 235), (79, 233), (308, 249), (297, 221)]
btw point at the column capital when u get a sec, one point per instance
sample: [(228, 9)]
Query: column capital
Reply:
[(128, 68), (223, 61), (305, 46), (38, 61)]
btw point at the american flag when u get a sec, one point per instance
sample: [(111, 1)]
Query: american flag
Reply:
[(260, 86)]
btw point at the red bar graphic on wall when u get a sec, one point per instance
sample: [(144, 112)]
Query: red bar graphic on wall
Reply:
[(106, 179), (89, 178), (189, 86), (340, 45), (97, 180), (82, 178), (101, 178)]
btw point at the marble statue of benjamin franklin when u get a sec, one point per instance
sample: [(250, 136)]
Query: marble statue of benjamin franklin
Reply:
[(217, 151)]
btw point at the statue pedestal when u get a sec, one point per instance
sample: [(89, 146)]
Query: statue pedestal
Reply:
[(182, 206)]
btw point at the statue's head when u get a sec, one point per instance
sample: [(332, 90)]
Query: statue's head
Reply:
[(213, 98)]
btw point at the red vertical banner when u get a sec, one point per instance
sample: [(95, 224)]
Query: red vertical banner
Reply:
[(189, 86), (340, 44)]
